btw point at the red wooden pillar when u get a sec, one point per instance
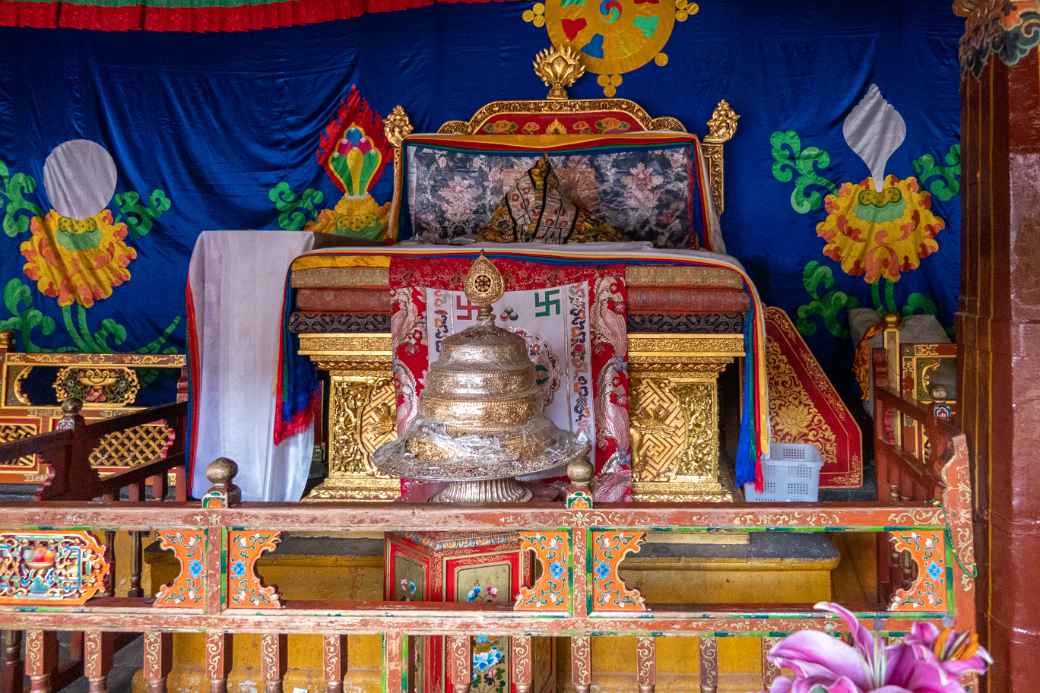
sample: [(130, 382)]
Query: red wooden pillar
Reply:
[(41, 657), (998, 329)]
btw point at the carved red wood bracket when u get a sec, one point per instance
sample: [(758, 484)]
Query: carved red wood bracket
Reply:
[(927, 549), (552, 590), (188, 589), (609, 549), (245, 589)]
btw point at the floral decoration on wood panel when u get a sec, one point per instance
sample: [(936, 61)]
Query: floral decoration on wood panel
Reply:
[(927, 551), (552, 590), (188, 589), (50, 567), (245, 589), (609, 549)]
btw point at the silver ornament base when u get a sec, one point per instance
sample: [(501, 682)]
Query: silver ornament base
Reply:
[(489, 491)]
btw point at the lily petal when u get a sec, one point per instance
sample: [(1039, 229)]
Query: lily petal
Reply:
[(902, 659), (929, 677), (812, 654), (781, 684), (862, 637), (958, 667), (923, 634)]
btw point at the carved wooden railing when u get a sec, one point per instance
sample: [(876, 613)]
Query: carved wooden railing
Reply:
[(580, 593), (65, 454), (912, 443), (33, 386)]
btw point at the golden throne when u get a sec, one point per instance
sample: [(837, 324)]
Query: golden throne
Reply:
[(674, 403)]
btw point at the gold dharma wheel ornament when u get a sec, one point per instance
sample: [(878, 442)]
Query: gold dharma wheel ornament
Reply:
[(484, 285), (480, 422)]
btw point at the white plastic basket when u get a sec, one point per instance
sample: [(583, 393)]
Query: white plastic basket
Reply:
[(791, 473)]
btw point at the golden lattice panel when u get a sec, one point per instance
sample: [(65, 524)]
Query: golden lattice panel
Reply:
[(677, 424), (10, 432), (674, 412), (133, 446)]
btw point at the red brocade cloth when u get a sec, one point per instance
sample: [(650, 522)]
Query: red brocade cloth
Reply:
[(195, 15), (804, 407), (605, 298)]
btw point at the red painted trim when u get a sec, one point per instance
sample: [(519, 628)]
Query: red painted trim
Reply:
[(570, 142), (271, 15)]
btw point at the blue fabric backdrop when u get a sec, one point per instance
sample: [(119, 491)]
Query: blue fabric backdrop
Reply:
[(215, 121)]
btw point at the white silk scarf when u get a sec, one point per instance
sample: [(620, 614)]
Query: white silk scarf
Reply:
[(236, 286)]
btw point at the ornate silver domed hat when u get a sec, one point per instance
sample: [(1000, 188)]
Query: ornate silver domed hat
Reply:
[(480, 422)]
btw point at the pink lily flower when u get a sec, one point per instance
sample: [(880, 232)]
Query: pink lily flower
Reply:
[(929, 661)]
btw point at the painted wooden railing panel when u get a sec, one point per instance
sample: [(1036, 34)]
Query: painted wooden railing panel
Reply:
[(219, 593)]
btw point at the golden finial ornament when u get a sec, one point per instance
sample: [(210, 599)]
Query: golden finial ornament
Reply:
[(397, 126), (484, 285), (723, 124), (559, 67)]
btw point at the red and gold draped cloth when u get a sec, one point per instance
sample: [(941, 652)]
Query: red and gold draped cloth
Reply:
[(805, 407), (573, 318), (754, 426)]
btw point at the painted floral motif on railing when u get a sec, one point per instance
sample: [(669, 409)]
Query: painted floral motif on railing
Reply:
[(927, 549), (609, 548), (245, 590), (552, 590), (188, 589), (50, 567)]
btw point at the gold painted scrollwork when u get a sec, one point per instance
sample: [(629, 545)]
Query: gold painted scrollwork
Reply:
[(361, 413)]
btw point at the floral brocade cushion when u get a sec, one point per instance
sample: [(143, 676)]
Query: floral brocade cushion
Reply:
[(649, 186), (536, 210)]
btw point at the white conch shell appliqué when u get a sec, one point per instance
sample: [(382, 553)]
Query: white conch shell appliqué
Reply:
[(874, 130)]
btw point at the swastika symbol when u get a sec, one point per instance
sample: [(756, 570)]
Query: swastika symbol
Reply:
[(464, 311), (548, 303)]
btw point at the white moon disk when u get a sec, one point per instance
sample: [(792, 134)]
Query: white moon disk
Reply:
[(80, 178)]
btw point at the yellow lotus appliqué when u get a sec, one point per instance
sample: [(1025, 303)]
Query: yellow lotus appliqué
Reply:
[(77, 260), (880, 234)]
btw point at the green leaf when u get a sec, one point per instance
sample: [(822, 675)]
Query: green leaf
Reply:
[(919, 304), (110, 328), (828, 306), (296, 210), (17, 210), (154, 346), (138, 216), (24, 318), (943, 181), (789, 158)]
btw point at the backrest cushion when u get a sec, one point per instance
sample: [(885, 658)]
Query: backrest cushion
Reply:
[(650, 186)]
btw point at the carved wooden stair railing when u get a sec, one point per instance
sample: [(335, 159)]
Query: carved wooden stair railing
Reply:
[(65, 454), (580, 592)]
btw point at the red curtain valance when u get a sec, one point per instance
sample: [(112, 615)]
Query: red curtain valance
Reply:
[(194, 15)]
